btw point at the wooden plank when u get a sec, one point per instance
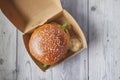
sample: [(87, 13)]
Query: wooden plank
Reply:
[(77, 67), (104, 48), (7, 49), (26, 68)]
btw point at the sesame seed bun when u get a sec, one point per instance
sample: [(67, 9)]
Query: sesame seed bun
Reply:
[(49, 43)]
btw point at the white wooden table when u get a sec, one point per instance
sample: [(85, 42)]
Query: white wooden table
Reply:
[(100, 21)]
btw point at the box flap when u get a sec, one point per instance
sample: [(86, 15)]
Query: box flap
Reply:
[(28, 14)]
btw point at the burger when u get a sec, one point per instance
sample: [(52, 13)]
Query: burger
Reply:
[(50, 43)]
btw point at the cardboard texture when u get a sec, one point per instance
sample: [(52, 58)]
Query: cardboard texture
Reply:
[(27, 16)]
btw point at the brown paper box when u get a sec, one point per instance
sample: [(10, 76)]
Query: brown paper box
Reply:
[(28, 15)]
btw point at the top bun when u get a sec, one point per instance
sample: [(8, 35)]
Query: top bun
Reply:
[(49, 43)]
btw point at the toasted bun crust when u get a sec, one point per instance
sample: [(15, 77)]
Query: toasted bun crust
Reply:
[(49, 43)]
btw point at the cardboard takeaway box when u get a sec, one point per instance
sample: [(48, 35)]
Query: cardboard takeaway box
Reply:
[(27, 15)]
